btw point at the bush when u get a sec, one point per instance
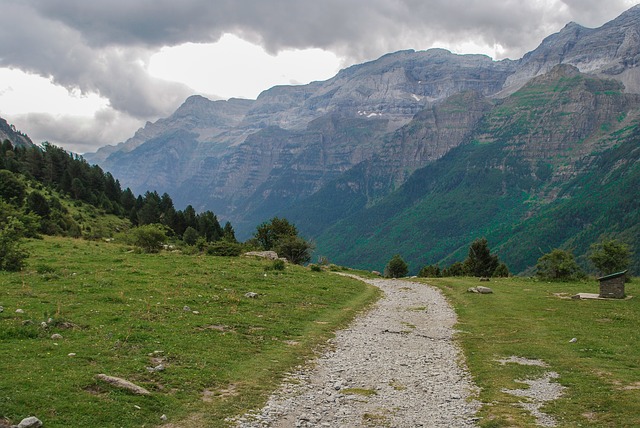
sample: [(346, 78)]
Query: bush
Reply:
[(396, 268), (278, 264), (224, 249), (502, 271), (610, 256), (12, 255), (558, 265), (315, 268), (149, 237), (456, 269), (430, 271), (190, 236), (294, 249)]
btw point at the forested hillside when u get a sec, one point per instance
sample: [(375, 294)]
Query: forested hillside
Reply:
[(520, 180)]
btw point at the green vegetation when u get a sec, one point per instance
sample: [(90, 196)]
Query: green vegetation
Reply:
[(396, 268), (537, 320), (121, 311), (558, 265), (282, 237), (610, 256)]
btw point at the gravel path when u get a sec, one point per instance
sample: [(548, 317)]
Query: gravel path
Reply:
[(395, 366)]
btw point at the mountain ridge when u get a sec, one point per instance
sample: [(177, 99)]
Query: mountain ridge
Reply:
[(343, 145)]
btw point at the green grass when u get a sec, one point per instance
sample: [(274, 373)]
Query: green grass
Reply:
[(120, 312), (528, 318)]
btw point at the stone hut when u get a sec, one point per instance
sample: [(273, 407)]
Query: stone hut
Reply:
[(612, 286)]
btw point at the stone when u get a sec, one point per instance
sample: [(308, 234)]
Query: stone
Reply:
[(123, 383), (44, 324), (472, 290), (56, 336), (186, 309), (574, 340), (269, 255), (1, 309), (30, 422), (158, 368), (163, 418), (484, 290), (19, 311), (251, 295)]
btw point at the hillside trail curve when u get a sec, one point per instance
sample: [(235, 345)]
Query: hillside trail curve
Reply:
[(396, 365)]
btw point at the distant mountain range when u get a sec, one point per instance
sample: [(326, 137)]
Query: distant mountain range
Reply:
[(418, 153)]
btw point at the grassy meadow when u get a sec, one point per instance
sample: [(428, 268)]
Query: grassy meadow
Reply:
[(120, 312), (537, 320)]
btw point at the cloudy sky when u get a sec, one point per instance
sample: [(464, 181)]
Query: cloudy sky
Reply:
[(83, 74)]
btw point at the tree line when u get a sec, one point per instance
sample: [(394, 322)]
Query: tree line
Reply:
[(33, 180), (607, 256)]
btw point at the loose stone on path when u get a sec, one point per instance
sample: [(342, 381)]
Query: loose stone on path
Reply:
[(394, 366)]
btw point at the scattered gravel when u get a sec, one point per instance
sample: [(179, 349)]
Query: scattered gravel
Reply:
[(539, 392), (395, 366)]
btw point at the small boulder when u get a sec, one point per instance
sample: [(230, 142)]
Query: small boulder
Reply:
[(472, 290), (484, 290), (56, 336), (1, 309), (124, 384), (251, 295), (269, 255), (19, 311), (30, 422), (186, 309)]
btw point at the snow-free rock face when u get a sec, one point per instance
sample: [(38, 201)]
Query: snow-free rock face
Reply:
[(612, 50), (9, 132), (249, 159)]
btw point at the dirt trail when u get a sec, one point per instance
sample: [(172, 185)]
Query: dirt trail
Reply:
[(395, 366)]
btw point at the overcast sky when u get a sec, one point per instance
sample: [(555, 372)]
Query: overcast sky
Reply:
[(86, 73)]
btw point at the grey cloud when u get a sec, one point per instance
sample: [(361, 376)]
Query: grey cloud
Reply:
[(101, 46), (75, 133), (359, 29), (33, 43)]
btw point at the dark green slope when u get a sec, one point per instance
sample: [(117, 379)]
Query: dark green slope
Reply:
[(442, 208), (554, 165)]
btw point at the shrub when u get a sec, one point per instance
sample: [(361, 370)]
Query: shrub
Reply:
[(396, 268), (190, 236), (278, 264), (294, 249), (149, 237), (610, 256), (502, 271), (224, 249), (430, 271), (558, 265), (315, 268), (456, 269), (12, 255)]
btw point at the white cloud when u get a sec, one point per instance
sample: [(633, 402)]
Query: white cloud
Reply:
[(22, 93), (233, 67)]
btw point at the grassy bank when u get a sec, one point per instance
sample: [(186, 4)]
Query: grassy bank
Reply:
[(527, 318), (120, 312)]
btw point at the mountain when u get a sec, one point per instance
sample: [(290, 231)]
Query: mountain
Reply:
[(556, 164), (395, 143), (17, 138)]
